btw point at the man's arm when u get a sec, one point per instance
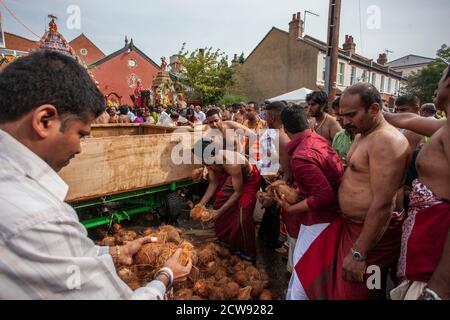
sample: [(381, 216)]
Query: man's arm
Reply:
[(285, 160), (238, 187), (335, 127), (212, 186), (421, 125), (241, 130)]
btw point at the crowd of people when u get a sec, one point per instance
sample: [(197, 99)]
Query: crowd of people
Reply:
[(372, 187)]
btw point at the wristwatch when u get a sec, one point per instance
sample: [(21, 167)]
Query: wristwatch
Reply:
[(429, 294), (358, 256)]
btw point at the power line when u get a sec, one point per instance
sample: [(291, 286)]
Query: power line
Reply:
[(17, 19)]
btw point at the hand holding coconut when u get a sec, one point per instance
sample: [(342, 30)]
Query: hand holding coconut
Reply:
[(124, 254), (179, 270)]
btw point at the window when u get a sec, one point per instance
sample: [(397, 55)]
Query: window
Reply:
[(83, 51), (341, 73), (389, 85), (353, 76), (132, 63), (382, 84), (365, 76), (374, 78), (324, 68)]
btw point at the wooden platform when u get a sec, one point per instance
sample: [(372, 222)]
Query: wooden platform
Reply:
[(112, 162)]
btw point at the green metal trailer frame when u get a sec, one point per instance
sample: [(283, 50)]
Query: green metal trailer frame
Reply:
[(148, 201)]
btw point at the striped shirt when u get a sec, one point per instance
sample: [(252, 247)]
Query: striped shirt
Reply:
[(44, 250)]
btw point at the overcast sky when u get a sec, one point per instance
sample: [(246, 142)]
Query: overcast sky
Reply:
[(159, 27)]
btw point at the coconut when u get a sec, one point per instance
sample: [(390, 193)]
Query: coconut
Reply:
[(211, 268), (134, 285), (231, 290), (233, 260), (200, 213), (125, 236), (223, 252), (240, 266), (201, 288), (196, 298), (242, 278), (244, 293), (291, 195), (183, 294), (220, 274), (206, 255), (265, 279), (216, 293), (126, 275), (186, 251), (173, 234), (149, 254), (148, 232), (224, 281), (253, 273), (108, 241), (265, 295), (257, 288), (116, 227)]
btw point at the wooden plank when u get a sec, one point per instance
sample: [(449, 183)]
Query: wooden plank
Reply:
[(118, 164)]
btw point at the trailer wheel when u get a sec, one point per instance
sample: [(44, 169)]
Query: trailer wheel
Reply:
[(172, 206)]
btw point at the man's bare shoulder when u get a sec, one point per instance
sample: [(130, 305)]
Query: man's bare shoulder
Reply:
[(389, 138)]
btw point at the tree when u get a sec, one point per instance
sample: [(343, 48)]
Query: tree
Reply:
[(241, 58), (207, 72), (229, 99), (424, 82)]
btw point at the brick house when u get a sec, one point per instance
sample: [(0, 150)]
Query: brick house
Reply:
[(286, 61)]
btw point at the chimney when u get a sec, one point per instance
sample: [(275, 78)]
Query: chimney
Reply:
[(235, 61), (349, 45), (126, 41), (382, 59), (296, 26)]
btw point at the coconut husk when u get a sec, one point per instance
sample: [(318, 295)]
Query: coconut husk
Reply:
[(186, 252), (148, 254), (134, 285), (212, 267), (257, 288), (265, 280), (108, 241), (223, 253), (253, 273), (116, 227), (265, 295), (242, 278), (124, 236), (206, 255), (224, 281), (216, 293), (240, 266), (173, 234), (233, 260), (196, 298), (244, 293), (231, 290), (127, 275), (149, 232), (220, 274), (291, 195), (201, 288), (194, 275), (183, 294), (200, 213)]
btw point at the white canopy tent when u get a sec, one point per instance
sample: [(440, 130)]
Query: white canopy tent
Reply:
[(296, 96)]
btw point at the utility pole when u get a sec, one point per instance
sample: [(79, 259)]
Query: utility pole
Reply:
[(334, 17)]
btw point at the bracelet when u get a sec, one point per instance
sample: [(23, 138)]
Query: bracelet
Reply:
[(166, 272)]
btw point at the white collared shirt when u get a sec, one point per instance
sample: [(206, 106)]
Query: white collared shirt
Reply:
[(44, 249)]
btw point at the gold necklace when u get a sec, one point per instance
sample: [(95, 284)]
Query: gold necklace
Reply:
[(317, 127)]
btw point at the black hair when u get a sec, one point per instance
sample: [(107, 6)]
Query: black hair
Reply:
[(294, 119), (276, 107), (409, 100), (252, 102), (367, 92), (48, 77), (319, 97), (335, 103), (123, 109), (205, 144), (212, 112)]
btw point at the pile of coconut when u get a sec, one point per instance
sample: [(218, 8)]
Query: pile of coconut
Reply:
[(216, 273)]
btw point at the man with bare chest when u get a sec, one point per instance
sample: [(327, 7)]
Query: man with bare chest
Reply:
[(322, 123), (367, 234), (424, 262)]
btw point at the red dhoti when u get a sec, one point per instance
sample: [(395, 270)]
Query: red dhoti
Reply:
[(236, 227), (319, 270), (424, 234)]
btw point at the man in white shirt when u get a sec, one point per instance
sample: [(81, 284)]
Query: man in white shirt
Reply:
[(163, 117), (199, 113), (47, 104)]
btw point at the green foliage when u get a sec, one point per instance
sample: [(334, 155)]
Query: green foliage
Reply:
[(241, 58), (229, 99), (207, 72), (424, 82)]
